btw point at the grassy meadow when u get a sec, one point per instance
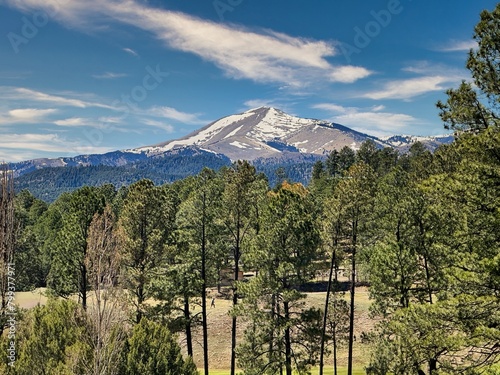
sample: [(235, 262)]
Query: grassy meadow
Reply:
[(219, 329)]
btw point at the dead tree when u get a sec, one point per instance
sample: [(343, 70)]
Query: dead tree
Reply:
[(7, 234)]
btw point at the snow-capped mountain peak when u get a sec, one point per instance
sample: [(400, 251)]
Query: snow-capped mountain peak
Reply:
[(264, 132)]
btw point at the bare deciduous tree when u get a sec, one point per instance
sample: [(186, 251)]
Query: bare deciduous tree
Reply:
[(107, 312), (7, 229)]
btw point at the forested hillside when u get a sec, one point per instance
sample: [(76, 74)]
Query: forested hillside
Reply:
[(422, 229)]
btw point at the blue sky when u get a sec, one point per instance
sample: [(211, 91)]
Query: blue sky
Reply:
[(80, 77)]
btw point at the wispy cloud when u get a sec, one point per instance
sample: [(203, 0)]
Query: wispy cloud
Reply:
[(174, 114), (259, 55), (74, 121), (255, 103), (44, 143), (109, 75), (457, 46), (29, 95), (26, 116), (130, 51), (409, 88), (372, 120), (14, 74), (159, 124)]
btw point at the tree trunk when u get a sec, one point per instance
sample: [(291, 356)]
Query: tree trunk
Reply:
[(432, 365), (140, 301), (280, 342), (204, 288), (353, 291), (426, 262), (273, 317), (235, 302), (334, 338), (189, 336), (325, 314), (288, 342), (83, 285)]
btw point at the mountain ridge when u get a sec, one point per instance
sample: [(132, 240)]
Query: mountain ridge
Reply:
[(264, 135)]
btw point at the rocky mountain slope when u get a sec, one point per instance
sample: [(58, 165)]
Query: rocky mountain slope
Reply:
[(265, 132)]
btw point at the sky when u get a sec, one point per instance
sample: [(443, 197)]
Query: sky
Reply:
[(80, 77)]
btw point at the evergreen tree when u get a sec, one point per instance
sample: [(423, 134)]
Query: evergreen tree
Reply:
[(474, 107), (69, 273), (283, 334), (200, 231), (31, 266), (52, 339), (347, 157), (333, 238), (242, 190), (355, 195), (147, 221), (152, 350)]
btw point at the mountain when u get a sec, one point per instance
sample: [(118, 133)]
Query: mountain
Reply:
[(404, 142), (265, 132), (266, 136)]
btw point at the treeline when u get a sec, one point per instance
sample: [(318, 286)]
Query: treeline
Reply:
[(421, 227), (49, 183)]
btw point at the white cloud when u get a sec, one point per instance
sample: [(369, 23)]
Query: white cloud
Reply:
[(159, 124), (262, 56), (109, 75), (18, 147), (458, 46), (110, 119), (74, 121), (426, 68), (25, 94), (26, 115), (349, 74), (30, 114), (368, 120), (130, 51), (378, 108), (409, 88), (174, 114), (256, 103)]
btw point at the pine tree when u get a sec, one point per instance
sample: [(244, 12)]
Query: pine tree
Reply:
[(355, 195), (200, 231), (284, 254), (146, 220), (152, 350), (68, 271), (242, 189)]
